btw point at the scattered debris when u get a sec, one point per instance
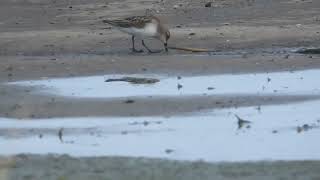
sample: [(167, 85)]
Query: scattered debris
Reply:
[(60, 134), (9, 68), (287, 56), (107, 28), (15, 107), (168, 151), (299, 129), (242, 122), (134, 80), (190, 49), (274, 131), (309, 51), (304, 127), (258, 108), (124, 132), (176, 6), (244, 55), (208, 4), (268, 79), (69, 142), (145, 123), (129, 101)]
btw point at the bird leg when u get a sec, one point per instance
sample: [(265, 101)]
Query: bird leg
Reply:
[(166, 47), (133, 47), (149, 50)]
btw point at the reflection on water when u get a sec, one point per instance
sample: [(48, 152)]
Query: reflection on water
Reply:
[(94, 86)]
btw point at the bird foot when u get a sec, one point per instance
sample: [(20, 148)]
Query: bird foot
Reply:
[(152, 51), (137, 51)]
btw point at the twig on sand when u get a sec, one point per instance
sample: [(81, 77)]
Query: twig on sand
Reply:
[(242, 122), (190, 49), (134, 80)]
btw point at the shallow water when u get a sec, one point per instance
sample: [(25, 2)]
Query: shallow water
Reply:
[(299, 82), (276, 132), (215, 136)]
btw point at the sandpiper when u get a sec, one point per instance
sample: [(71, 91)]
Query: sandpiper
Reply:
[(142, 27)]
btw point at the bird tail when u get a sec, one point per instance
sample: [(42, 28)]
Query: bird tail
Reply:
[(117, 22), (107, 21)]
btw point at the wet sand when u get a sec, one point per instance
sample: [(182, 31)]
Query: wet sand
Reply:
[(52, 39), (66, 167), (58, 39)]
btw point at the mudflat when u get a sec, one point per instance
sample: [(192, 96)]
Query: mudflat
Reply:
[(66, 167), (49, 39)]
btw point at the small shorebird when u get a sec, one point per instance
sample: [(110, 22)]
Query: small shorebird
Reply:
[(142, 27)]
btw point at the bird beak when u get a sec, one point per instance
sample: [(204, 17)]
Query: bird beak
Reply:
[(166, 46)]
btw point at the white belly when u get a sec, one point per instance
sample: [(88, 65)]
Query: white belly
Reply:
[(150, 30)]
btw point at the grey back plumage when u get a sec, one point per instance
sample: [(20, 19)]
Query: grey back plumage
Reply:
[(134, 21)]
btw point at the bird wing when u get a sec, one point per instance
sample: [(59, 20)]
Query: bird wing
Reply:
[(134, 21)]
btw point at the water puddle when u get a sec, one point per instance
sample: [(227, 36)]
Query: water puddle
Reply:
[(265, 83), (273, 134)]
